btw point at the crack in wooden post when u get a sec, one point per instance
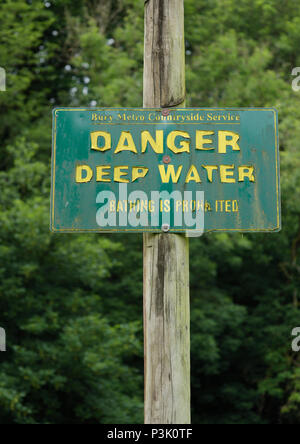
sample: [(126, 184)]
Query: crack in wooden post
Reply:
[(166, 256)]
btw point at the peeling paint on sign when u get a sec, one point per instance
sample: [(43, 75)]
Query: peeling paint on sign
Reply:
[(230, 155)]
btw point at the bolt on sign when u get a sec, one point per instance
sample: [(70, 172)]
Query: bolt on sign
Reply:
[(141, 170)]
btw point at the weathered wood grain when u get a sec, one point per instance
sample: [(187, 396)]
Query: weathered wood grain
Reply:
[(166, 256), (167, 329), (164, 56)]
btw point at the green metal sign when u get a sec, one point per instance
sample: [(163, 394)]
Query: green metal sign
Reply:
[(178, 170)]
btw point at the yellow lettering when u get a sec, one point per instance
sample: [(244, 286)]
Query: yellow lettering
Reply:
[(207, 206), (184, 144), (178, 205), (221, 206), (226, 173), (107, 140), (118, 174), (120, 207), (151, 206), (79, 174), (144, 206), (157, 145), (210, 169), (170, 173), (201, 141), (139, 173), (228, 206), (224, 142), (235, 206), (112, 206), (126, 143), (193, 175), (246, 171), (101, 173), (167, 206)]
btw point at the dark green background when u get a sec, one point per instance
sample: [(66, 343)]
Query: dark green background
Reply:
[(75, 205)]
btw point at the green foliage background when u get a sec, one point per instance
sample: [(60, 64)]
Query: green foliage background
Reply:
[(72, 304)]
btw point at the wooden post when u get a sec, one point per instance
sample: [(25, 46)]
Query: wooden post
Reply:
[(166, 256)]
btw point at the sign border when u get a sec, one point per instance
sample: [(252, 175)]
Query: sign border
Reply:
[(158, 230)]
